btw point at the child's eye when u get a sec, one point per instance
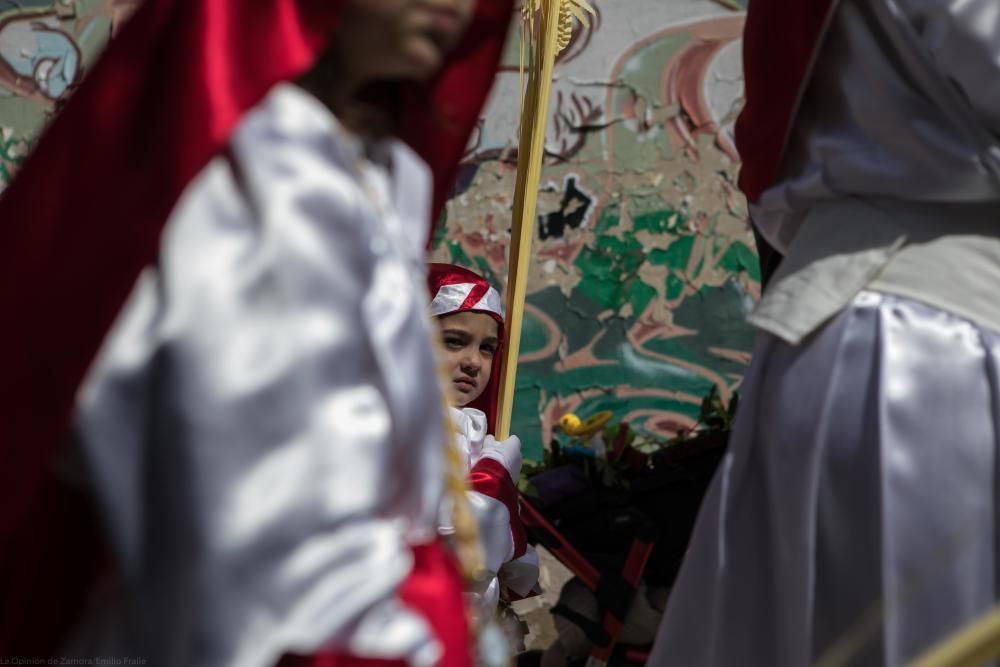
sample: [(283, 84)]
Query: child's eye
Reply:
[(454, 343), (488, 350)]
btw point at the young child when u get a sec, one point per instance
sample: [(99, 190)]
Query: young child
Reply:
[(470, 318), (263, 430)]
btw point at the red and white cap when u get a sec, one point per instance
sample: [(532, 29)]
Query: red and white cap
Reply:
[(454, 289)]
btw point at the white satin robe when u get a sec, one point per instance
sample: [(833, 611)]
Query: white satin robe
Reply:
[(494, 523), (854, 519), (264, 428)]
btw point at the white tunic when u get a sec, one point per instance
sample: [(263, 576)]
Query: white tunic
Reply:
[(494, 523), (867, 125), (891, 177), (853, 520), (264, 426)]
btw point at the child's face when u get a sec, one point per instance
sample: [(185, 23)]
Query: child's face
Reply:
[(470, 343), (400, 40)]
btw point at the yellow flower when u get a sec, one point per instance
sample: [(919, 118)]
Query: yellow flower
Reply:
[(573, 426), (569, 423)]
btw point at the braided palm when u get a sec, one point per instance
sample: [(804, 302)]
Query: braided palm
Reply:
[(568, 9), (466, 531)]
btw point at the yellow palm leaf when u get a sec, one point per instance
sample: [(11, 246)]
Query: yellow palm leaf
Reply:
[(546, 29)]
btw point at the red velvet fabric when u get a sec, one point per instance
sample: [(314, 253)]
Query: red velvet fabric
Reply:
[(779, 43), (434, 588), (490, 478), (338, 659), (84, 215)]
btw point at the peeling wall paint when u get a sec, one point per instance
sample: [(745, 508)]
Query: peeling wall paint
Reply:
[(643, 264), (46, 47)]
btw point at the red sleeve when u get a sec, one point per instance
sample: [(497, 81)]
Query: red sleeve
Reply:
[(490, 478), (775, 73), (434, 589)]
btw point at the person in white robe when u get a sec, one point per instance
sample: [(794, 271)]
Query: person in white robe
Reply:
[(854, 520), (263, 430)]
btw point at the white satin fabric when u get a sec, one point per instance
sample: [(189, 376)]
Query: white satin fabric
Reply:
[(264, 427), (892, 166), (900, 247), (450, 298), (493, 521), (471, 430), (854, 519), (869, 125)]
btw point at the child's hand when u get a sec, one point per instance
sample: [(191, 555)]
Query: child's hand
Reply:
[(506, 452)]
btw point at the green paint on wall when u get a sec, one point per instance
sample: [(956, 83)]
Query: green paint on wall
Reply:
[(679, 252), (486, 271), (440, 228), (618, 362), (717, 318), (609, 220), (610, 273), (675, 286), (21, 115), (644, 68), (657, 222), (533, 335), (458, 255), (738, 258), (524, 417), (658, 257), (92, 39), (639, 295), (642, 74)]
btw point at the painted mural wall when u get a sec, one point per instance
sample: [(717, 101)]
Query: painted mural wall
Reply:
[(643, 266), (45, 47)]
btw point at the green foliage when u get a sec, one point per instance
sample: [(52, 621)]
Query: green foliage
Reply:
[(528, 470), (716, 415)]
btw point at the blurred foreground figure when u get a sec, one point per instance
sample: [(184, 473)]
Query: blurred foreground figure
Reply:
[(228, 303), (854, 519)]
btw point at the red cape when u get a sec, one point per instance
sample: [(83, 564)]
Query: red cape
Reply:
[(780, 41)]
